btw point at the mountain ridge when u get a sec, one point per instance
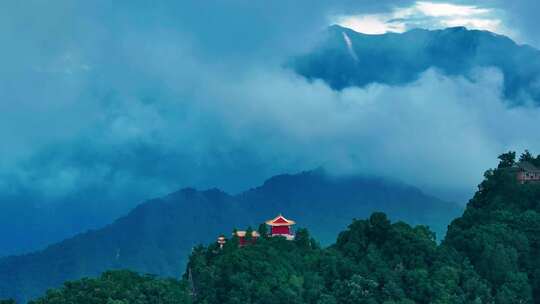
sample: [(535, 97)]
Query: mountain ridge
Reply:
[(158, 235), (400, 58)]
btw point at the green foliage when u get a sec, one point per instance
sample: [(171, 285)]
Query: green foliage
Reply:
[(500, 234), (118, 287), (489, 256), (507, 159), (263, 230), (526, 156), (373, 261), (9, 301)]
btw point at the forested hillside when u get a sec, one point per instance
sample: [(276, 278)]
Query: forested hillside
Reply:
[(119, 287), (490, 255), (373, 261), (499, 233)]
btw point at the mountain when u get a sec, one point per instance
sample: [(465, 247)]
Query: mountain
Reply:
[(30, 220), (346, 58), (372, 261), (158, 235), (489, 255)]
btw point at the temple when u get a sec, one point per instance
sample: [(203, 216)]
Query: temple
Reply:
[(280, 226), (527, 172)]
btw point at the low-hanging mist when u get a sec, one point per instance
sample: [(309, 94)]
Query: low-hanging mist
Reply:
[(118, 108)]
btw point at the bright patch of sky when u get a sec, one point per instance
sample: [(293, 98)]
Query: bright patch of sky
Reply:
[(429, 15)]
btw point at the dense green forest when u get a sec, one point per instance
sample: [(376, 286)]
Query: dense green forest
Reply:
[(490, 255), (119, 287)]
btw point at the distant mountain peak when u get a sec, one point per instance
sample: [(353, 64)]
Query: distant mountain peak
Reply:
[(346, 58), (456, 28)]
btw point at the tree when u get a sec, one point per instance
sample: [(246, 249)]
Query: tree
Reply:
[(379, 226), (263, 230), (303, 239), (507, 160), (118, 287), (526, 156), (515, 290)]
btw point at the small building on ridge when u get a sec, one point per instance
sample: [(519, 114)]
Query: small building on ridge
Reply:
[(527, 172), (280, 226)]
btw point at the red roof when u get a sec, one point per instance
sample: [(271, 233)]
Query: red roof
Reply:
[(280, 220)]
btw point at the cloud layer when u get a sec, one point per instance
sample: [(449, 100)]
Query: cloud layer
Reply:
[(104, 105)]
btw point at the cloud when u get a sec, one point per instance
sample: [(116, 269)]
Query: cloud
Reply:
[(520, 17), (108, 73), (103, 105), (371, 24), (447, 124), (449, 10), (152, 112), (267, 121)]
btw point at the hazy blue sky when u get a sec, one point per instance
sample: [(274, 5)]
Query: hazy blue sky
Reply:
[(131, 99)]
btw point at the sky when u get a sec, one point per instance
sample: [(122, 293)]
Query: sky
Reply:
[(115, 102)]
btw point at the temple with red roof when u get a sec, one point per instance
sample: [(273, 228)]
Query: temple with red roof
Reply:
[(280, 226)]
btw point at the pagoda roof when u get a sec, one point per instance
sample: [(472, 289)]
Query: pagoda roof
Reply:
[(280, 220)]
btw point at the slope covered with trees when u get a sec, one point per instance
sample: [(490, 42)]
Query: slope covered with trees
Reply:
[(500, 233), (119, 287), (373, 261), (490, 255)]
